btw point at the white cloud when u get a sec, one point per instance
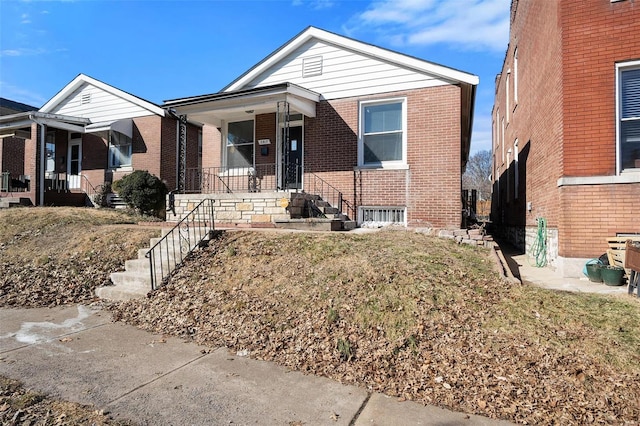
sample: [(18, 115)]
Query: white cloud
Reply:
[(314, 4), (22, 51), (24, 19), (470, 24)]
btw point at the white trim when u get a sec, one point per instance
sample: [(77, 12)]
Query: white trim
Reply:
[(82, 79), (618, 100), (383, 164), (356, 46), (625, 177)]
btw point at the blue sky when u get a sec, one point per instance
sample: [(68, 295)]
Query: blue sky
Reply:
[(161, 50)]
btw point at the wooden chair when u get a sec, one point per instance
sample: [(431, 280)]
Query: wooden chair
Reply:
[(632, 264)]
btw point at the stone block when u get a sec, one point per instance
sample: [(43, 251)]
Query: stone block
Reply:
[(244, 207), (228, 215), (260, 218)]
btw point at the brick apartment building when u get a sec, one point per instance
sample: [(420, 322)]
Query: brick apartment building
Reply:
[(389, 132), (89, 133), (566, 128)]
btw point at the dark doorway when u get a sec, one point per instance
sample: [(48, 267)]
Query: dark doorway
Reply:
[(292, 173)]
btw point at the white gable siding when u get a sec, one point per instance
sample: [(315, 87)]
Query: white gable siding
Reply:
[(344, 73), (102, 107)]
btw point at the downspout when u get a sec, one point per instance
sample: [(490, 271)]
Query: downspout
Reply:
[(42, 159)]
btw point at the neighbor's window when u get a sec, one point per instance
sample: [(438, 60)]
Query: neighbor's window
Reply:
[(629, 116), (119, 149), (240, 147), (50, 152), (382, 132)]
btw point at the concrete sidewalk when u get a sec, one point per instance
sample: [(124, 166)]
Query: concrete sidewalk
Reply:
[(77, 354), (523, 268)]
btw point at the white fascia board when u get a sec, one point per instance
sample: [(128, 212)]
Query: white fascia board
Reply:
[(357, 46), (81, 79), (16, 124), (60, 125)]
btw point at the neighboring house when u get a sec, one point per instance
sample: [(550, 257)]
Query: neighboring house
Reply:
[(566, 128), (91, 133), (12, 176), (384, 136)]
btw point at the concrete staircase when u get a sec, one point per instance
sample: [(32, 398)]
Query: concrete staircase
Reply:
[(135, 281), (311, 212)]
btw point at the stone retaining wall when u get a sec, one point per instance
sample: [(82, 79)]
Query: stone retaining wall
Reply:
[(237, 209)]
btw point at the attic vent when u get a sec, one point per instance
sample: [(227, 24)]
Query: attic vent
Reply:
[(86, 98), (312, 66)]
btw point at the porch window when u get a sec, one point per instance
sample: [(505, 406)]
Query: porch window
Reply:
[(119, 149), (629, 116), (382, 133), (50, 152), (240, 147)]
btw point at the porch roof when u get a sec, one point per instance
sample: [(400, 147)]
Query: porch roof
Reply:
[(227, 106), (11, 125)]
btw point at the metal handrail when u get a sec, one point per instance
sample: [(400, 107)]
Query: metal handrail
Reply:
[(174, 247), (216, 180), (314, 184)]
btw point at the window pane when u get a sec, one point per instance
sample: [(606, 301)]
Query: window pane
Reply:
[(631, 93), (50, 149), (239, 156), (119, 150), (385, 147), (240, 132), (383, 118), (630, 144)]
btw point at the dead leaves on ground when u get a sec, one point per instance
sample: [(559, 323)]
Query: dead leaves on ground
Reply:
[(388, 312)]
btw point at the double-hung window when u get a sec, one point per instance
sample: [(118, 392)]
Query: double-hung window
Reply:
[(382, 139), (119, 149), (240, 147), (628, 116)]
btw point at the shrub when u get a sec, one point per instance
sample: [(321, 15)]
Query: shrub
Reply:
[(142, 191), (102, 194)]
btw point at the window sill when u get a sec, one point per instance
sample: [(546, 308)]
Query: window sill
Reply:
[(382, 167), (121, 169), (624, 177)]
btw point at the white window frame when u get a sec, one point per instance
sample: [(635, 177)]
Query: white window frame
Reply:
[(516, 167), (383, 164), (112, 164), (620, 68), (507, 82), (238, 170), (515, 78)]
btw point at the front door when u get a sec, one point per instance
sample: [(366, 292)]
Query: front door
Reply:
[(74, 163), (292, 176)]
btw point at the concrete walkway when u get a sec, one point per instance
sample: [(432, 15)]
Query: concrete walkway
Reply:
[(523, 268), (77, 354)]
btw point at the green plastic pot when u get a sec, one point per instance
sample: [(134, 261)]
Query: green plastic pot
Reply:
[(594, 272), (612, 275)]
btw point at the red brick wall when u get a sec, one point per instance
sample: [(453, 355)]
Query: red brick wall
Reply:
[(535, 119), (596, 35), (593, 213), (212, 147), (12, 156)]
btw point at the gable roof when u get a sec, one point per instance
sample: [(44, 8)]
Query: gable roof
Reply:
[(310, 33), (83, 79)]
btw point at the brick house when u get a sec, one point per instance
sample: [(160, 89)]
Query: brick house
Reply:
[(383, 135), (566, 128), (90, 133)]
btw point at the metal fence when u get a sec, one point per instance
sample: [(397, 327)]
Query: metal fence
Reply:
[(216, 180)]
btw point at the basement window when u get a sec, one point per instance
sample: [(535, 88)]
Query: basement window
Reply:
[(381, 216)]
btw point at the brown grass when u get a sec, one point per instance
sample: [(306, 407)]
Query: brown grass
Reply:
[(412, 316)]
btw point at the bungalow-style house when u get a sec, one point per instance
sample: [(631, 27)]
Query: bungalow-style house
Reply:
[(566, 129), (90, 133), (11, 163), (382, 136)]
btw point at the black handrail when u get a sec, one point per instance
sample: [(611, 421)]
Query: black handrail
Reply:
[(174, 247), (314, 184)]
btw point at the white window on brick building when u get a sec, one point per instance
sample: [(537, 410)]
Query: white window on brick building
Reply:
[(119, 149), (515, 78), (240, 148), (382, 133), (628, 116), (507, 83), (516, 170)]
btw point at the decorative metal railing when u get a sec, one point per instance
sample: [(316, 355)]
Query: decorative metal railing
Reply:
[(216, 180), (176, 245)]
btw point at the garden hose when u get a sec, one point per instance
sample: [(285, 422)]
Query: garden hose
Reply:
[(539, 247)]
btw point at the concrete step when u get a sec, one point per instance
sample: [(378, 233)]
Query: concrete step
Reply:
[(131, 279), (328, 210), (119, 292), (138, 265), (348, 225)]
